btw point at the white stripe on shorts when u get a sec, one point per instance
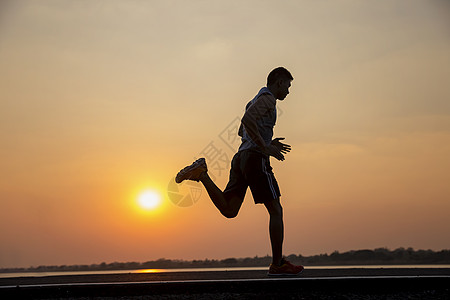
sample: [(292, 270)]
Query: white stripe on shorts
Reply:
[(269, 179)]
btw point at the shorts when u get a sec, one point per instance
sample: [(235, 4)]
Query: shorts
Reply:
[(250, 168)]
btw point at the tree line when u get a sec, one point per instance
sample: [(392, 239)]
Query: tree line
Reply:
[(380, 256)]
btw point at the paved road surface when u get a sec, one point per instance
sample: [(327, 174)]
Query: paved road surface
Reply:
[(312, 284)]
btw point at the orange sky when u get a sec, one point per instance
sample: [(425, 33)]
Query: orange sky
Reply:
[(100, 100)]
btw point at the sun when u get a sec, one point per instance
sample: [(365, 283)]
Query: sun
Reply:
[(149, 199)]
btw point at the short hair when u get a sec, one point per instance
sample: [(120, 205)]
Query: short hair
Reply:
[(277, 74)]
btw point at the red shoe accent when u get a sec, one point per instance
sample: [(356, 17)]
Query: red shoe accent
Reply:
[(286, 269)]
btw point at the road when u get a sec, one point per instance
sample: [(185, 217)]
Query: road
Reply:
[(312, 284)]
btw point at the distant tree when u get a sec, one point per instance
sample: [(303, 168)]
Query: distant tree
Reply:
[(229, 261), (365, 256)]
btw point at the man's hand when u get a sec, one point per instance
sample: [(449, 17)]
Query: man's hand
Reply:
[(284, 148), (277, 149)]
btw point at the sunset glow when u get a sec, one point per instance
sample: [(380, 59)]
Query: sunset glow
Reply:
[(150, 271), (149, 199)]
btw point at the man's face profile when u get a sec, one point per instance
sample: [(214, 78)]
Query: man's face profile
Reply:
[(283, 88)]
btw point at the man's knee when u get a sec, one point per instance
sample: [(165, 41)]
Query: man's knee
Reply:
[(233, 207), (230, 214), (274, 207)]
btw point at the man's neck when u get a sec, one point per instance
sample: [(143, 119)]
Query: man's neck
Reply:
[(272, 91)]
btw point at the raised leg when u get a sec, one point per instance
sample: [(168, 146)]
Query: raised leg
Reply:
[(228, 206)]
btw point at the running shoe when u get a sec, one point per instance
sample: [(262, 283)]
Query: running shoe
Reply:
[(193, 171), (286, 269)]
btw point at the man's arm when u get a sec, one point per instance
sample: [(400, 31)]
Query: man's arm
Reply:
[(252, 114)]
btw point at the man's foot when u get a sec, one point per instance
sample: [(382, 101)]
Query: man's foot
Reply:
[(192, 172), (286, 269)]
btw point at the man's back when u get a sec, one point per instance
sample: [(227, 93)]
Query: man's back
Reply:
[(262, 110)]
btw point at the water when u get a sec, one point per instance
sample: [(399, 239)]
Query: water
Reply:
[(42, 274)]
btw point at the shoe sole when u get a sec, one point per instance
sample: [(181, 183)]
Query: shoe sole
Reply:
[(285, 274)]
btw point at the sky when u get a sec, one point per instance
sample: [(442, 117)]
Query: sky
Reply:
[(103, 100)]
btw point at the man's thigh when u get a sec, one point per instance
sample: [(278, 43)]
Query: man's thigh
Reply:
[(237, 184), (259, 176)]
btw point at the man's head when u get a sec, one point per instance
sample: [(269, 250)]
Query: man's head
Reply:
[(278, 82)]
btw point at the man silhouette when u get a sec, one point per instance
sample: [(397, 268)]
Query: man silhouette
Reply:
[(250, 167)]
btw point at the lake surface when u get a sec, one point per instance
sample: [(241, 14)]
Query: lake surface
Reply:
[(42, 274)]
